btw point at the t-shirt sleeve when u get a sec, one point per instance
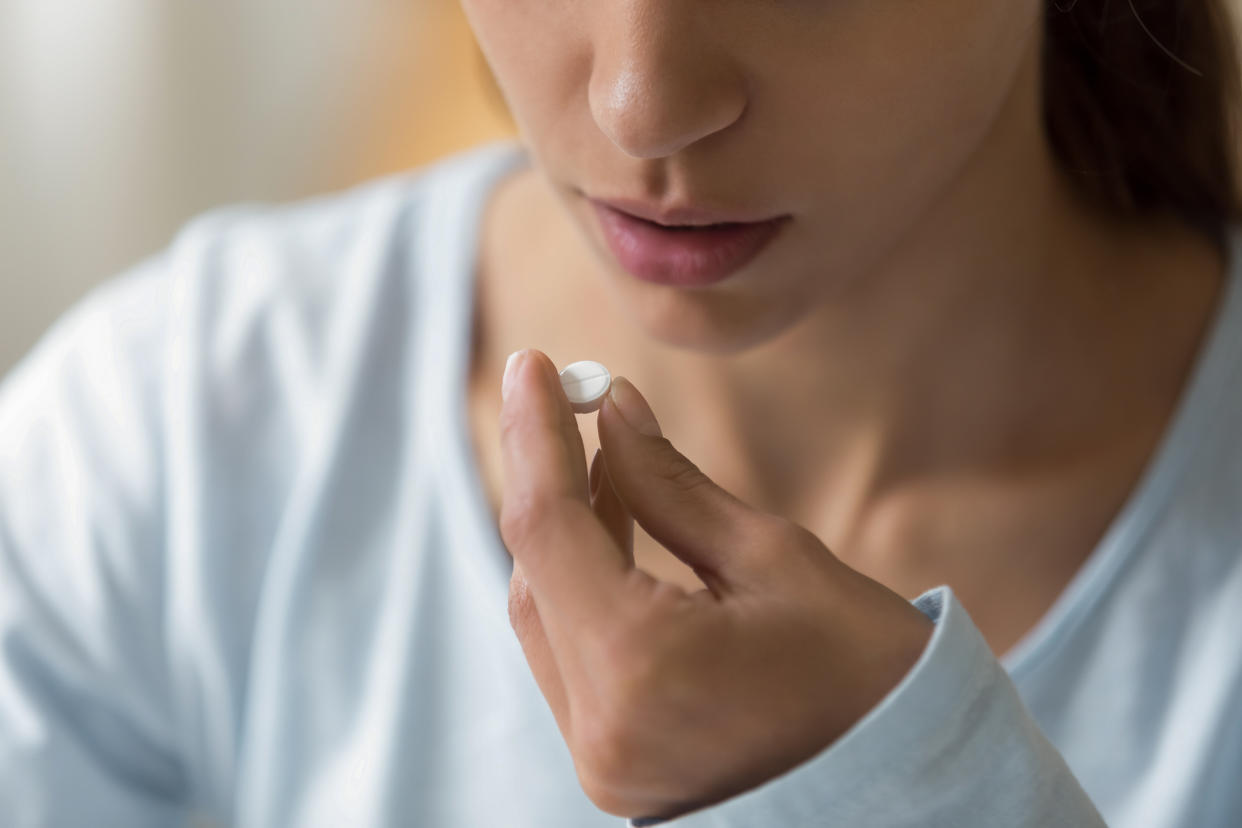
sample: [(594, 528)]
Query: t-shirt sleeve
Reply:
[(86, 735), (951, 745)]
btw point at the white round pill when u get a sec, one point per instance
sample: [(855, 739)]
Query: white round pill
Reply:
[(585, 384)]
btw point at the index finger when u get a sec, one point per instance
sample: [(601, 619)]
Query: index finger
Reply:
[(573, 566)]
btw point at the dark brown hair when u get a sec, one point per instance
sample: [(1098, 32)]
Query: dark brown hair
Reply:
[(1141, 105)]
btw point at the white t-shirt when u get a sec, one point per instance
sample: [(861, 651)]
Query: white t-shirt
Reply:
[(248, 570)]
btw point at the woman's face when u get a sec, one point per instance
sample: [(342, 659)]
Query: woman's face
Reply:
[(857, 118)]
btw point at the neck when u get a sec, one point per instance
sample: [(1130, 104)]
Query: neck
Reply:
[(999, 334)]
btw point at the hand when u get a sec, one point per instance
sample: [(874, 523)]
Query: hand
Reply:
[(670, 700)]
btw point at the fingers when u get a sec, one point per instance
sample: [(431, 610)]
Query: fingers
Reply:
[(678, 505), (572, 564), (526, 623), (609, 508), (541, 447)]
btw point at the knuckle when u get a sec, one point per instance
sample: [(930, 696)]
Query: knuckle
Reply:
[(520, 518), (675, 467), (788, 533), (608, 753), (776, 538), (603, 796), (615, 741), (688, 477)]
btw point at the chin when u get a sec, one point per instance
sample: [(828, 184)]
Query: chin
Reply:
[(706, 322)]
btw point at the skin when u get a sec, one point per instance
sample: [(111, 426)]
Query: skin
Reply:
[(944, 368)]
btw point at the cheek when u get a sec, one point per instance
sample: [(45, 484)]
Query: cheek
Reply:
[(911, 94), (944, 99), (890, 109), (537, 52)]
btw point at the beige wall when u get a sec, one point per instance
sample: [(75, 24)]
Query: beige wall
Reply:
[(121, 119)]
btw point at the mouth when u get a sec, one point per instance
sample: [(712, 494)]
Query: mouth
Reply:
[(682, 216), (681, 227), (695, 252)]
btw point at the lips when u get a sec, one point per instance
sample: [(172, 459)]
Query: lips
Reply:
[(700, 250), (681, 216)]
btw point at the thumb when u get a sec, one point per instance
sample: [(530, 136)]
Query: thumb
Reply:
[(679, 506)]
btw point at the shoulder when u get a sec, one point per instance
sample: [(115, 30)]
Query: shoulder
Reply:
[(246, 309), (248, 272), (213, 368), (307, 258)]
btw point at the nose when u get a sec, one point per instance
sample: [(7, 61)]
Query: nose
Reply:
[(658, 84)]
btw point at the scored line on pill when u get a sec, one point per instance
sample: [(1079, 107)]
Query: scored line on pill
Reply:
[(585, 383), (581, 381)]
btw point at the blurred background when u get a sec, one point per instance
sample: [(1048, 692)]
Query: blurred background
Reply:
[(121, 119)]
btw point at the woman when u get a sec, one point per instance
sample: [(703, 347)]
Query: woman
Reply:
[(939, 513)]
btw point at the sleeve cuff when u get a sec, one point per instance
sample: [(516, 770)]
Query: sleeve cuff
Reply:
[(952, 743)]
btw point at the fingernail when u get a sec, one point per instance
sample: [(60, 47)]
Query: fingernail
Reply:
[(634, 409), (596, 473), (510, 371)]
